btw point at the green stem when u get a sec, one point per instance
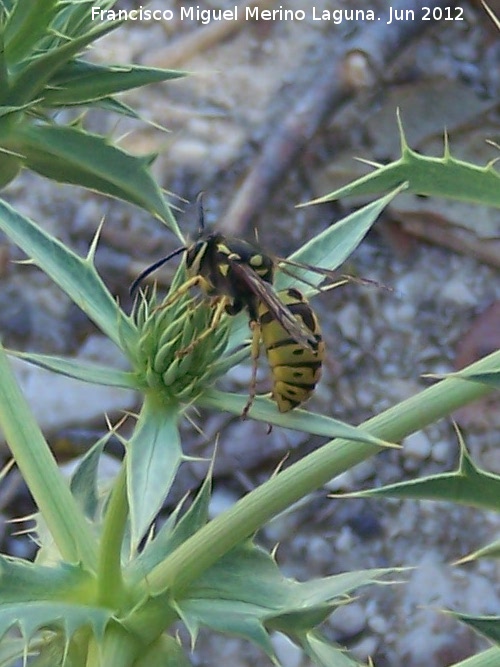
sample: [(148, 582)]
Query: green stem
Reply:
[(118, 648), (224, 532), (109, 574), (64, 518)]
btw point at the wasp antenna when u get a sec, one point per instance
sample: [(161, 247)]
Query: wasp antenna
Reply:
[(201, 213), (152, 268)]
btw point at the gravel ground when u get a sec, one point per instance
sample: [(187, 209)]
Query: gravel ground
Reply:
[(379, 342)]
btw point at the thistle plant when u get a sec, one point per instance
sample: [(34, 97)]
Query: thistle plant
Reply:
[(111, 581)]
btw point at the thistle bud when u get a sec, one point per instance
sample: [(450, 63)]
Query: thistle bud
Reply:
[(179, 348)]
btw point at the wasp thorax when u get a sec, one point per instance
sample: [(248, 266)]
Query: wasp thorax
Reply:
[(178, 345)]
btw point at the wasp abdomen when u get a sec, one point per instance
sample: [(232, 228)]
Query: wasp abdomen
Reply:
[(295, 369)]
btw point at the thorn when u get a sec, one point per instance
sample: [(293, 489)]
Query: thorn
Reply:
[(93, 246)]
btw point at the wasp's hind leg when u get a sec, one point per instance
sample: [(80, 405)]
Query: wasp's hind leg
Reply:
[(255, 351)]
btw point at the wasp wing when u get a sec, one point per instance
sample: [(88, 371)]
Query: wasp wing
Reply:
[(320, 286), (265, 293)]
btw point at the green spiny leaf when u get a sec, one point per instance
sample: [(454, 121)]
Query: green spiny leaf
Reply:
[(169, 537), (76, 276), (228, 617), (75, 18), (27, 23), (81, 82), (301, 420), (80, 370), (468, 485), (489, 626), (322, 652), (153, 457), (442, 177), (84, 480), (22, 581), (67, 524), (488, 658), (30, 617), (491, 378), (332, 247), (30, 82), (70, 155)]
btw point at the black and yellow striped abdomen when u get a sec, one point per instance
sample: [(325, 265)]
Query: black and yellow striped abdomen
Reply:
[(295, 369)]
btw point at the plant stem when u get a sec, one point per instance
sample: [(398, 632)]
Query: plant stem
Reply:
[(249, 514), (117, 649)]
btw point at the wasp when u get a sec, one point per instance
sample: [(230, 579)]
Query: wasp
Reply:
[(240, 275)]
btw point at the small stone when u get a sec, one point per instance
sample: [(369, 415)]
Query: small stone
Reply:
[(349, 321), (58, 401), (319, 551), (378, 624), (457, 291), (220, 501), (343, 543), (363, 471), (417, 446), (287, 652), (365, 648), (342, 482), (349, 620), (441, 452)]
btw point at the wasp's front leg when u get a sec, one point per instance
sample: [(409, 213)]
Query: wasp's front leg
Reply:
[(185, 287), (216, 318)]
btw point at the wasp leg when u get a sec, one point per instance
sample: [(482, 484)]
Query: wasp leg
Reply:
[(185, 287), (216, 318), (256, 337), (330, 286)]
